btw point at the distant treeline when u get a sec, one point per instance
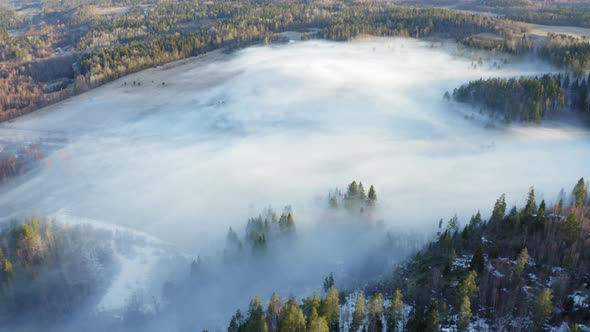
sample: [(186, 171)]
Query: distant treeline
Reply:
[(567, 52), (10, 20), (145, 37), (571, 16), (76, 49), (527, 99), (253, 23)]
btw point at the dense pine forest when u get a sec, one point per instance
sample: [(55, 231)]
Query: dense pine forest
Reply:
[(528, 99)]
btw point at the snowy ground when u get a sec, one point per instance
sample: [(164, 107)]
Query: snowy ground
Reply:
[(137, 255)]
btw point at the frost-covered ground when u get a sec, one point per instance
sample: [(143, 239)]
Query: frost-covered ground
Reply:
[(137, 256)]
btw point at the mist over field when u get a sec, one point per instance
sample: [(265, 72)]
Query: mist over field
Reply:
[(226, 136)]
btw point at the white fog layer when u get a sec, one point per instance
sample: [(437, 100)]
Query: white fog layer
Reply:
[(227, 135), (283, 125)]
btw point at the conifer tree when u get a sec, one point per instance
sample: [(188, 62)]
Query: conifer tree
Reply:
[(317, 323), (358, 316), (521, 261), (236, 323), (256, 321), (531, 205), (376, 313), (475, 220), (361, 192), (333, 201), (469, 287), (273, 313), (464, 314), (330, 309), (372, 196), (477, 262), (499, 209), (580, 193), (432, 318), (395, 313), (542, 307), (353, 191), (571, 229), (292, 319), (329, 282), (311, 303)]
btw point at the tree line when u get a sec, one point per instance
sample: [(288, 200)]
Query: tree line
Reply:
[(145, 37), (527, 99)]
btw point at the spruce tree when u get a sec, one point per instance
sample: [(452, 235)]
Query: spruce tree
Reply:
[(256, 321), (469, 287), (477, 262), (395, 313), (521, 262), (531, 205), (317, 323), (580, 193), (361, 192), (329, 282), (542, 307), (273, 313), (571, 229), (353, 191), (330, 309), (376, 313), (358, 316), (372, 196), (292, 318), (464, 314), (432, 318)]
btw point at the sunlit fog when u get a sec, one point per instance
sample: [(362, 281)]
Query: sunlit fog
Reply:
[(181, 152)]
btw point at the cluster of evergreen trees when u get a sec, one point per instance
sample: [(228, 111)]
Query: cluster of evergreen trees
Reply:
[(528, 99), (469, 272), (355, 198), (260, 230), (521, 266), (315, 314), (567, 52)]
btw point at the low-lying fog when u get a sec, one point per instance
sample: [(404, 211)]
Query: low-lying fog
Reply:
[(228, 135)]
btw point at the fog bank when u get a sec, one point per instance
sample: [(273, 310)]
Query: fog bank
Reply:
[(228, 135)]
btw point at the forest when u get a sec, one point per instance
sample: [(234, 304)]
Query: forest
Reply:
[(527, 99), (75, 48), (520, 269)]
